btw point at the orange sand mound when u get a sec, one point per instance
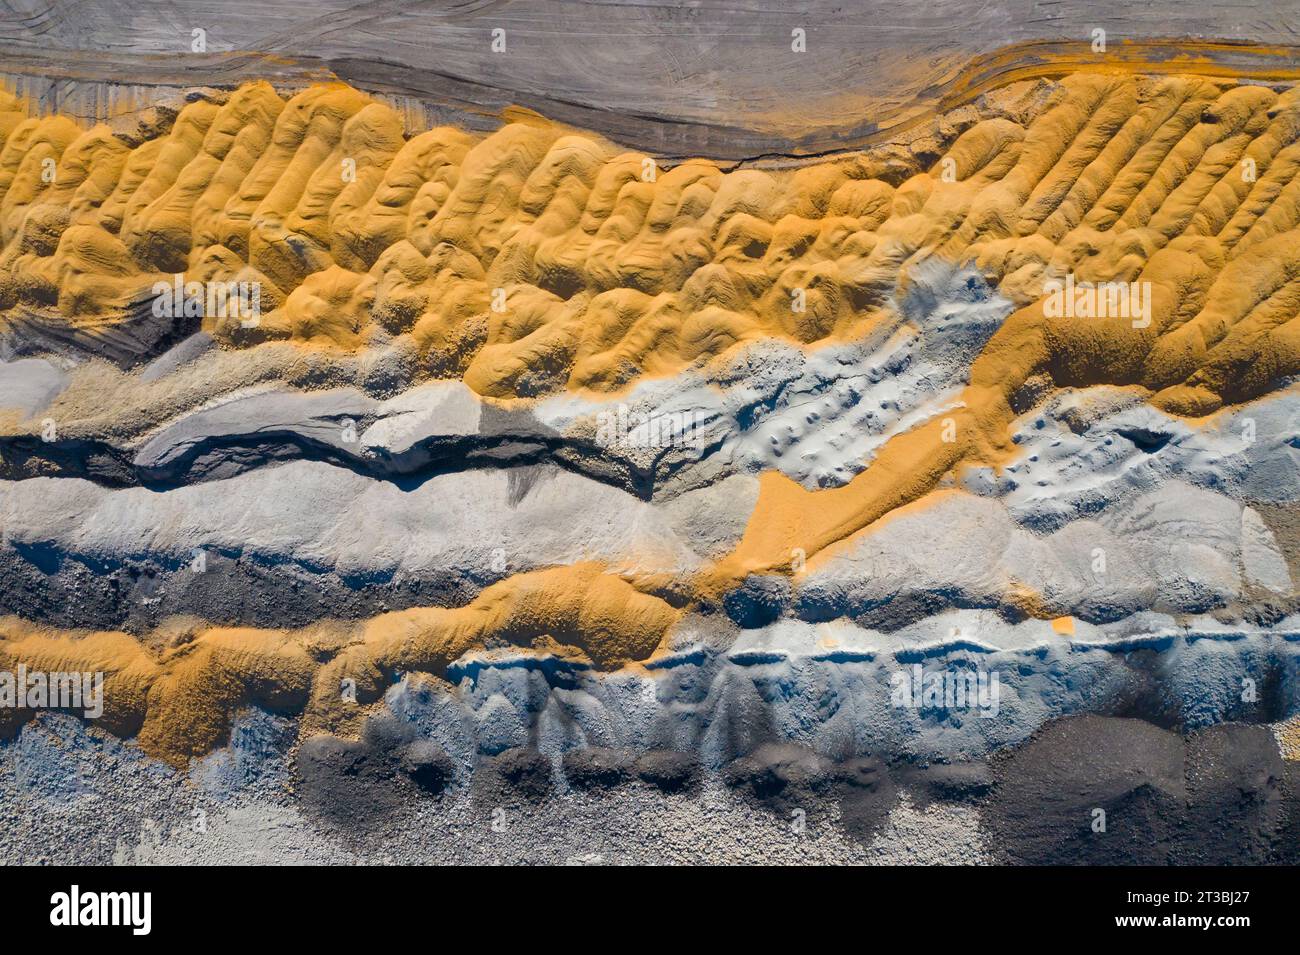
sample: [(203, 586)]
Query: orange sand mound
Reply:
[(536, 258), (180, 688)]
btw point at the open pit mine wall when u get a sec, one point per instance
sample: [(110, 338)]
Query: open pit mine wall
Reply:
[(388, 495)]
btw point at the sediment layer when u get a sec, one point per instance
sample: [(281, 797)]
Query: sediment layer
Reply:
[(435, 463)]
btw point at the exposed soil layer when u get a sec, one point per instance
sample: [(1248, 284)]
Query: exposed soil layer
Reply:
[(1093, 790)]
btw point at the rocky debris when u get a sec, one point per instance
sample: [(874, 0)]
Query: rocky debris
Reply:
[(178, 356), (669, 770), (1235, 796), (359, 782), (796, 783), (757, 602), (597, 768), (347, 782), (517, 773), (1104, 791), (428, 765), (947, 782), (241, 806)]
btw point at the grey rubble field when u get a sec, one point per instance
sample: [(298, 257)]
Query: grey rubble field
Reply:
[(1219, 796)]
